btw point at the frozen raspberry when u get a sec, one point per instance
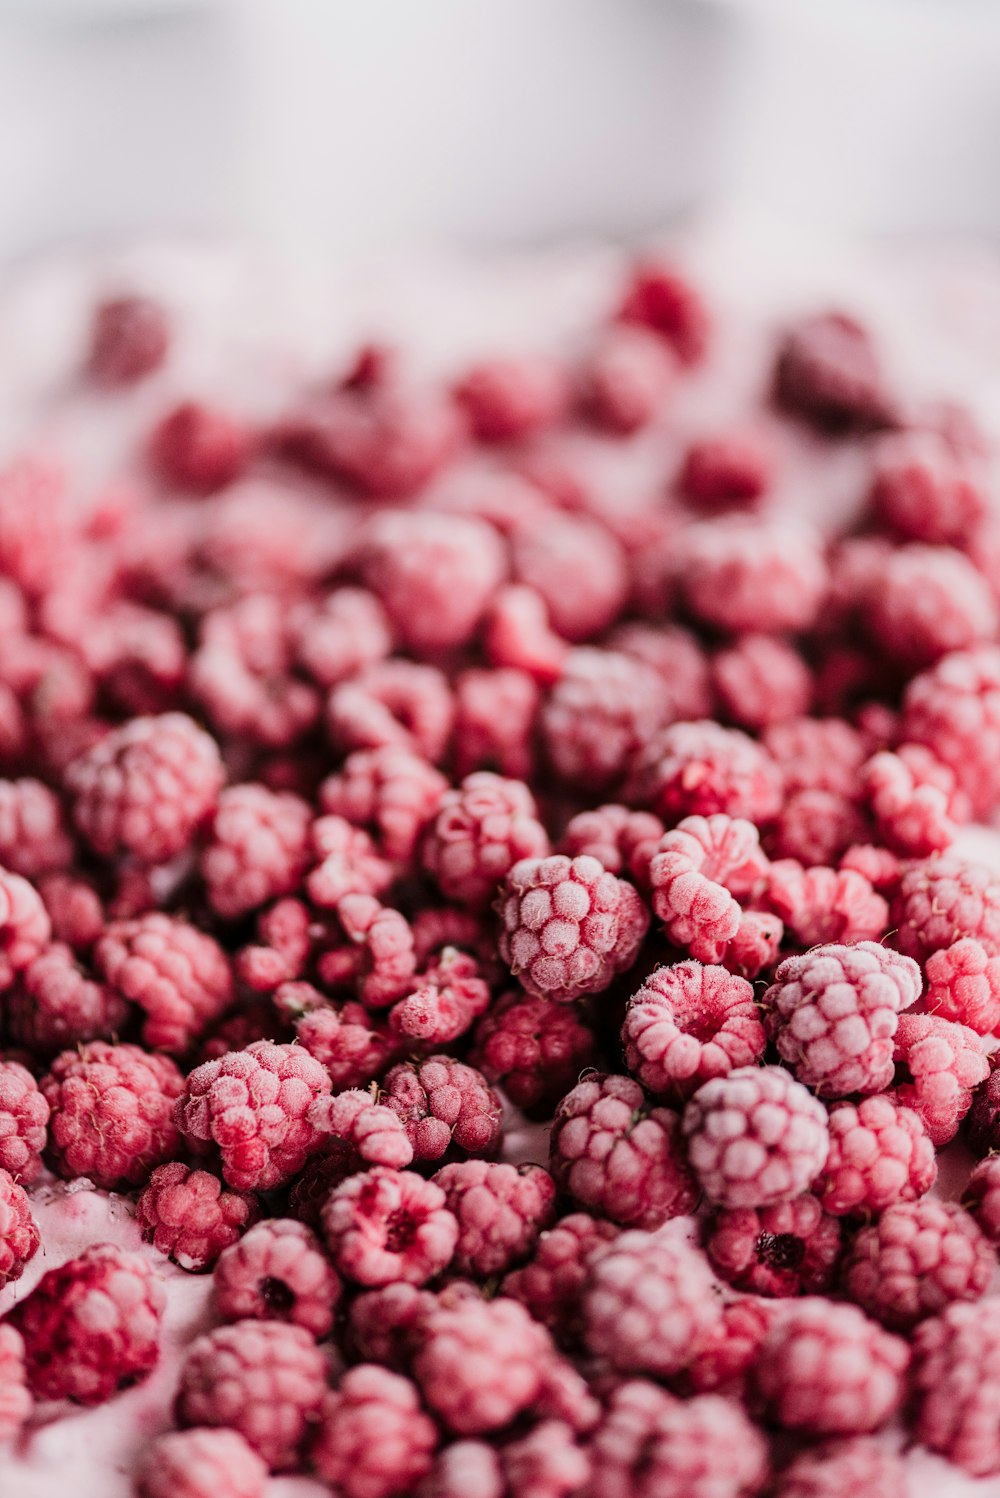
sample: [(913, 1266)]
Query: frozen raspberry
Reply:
[(568, 926), (533, 1048), (623, 841), (984, 1118), (546, 1463), (24, 926), (688, 1023), (943, 900), (500, 1210), (579, 569), (755, 1137), (828, 373), (880, 1154), (760, 680), (826, 1370), (954, 708), (390, 792), (277, 1272), (264, 1379), (728, 472), (479, 1364), (662, 1447), (344, 1039), (824, 906), (188, 1215), (914, 800), (146, 787), (926, 601), (242, 673), (618, 1157), (916, 1258), (33, 837), (698, 769), (373, 1131), (200, 1464), (982, 1197), (112, 1113), (285, 934), (678, 660), (446, 1000), (377, 957), (518, 635), (447, 1108), (841, 1469), (816, 827), (15, 1400), (199, 447), (788, 1249), (924, 491), (882, 869), (74, 909), (339, 635), (660, 297), (494, 722), (55, 1005), (19, 1238), (646, 1301), (626, 380), (946, 1062), (694, 875), (963, 984), (482, 828), (549, 1285), (823, 754), (956, 1381), (373, 1439), (129, 340), (177, 974), (745, 575), (508, 399), (465, 1469), (724, 1357), (386, 1225), (383, 1323), (258, 848), (598, 715), (254, 1105), (92, 1326), (348, 863), (394, 702), (24, 1115)]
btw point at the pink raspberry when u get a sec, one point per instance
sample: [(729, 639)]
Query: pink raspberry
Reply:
[(963, 984), (655, 1446), (956, 1385), (880, 1154), (386, 1225), (482, 828), (619, 1158), (383, 1323), (688, 1023), (258, 848), (112, 1110), (646, 1302), (927, 601), (447, 1108), (200, 1464), (730, 471), (177, 974), (788, 1249), (19, 1238), (577, 566), (500, 1211), (33, 836), (755, 1137), (833, 1011), (946, 1062), (744, 575), (546, 1463), (924, 491), (823, 906), (74, 909), (841, 1469), (129, 340), (189, 1216), (660, 297), (694, 875), (285, 933), (55, 1005), (479, 1364), (943, 900), (816, 827), (954, 708), (243, 673), (377, 956), (393, 702), (254, 1106), (826, 1370), (598, 715), (277, 1272), (914, 800), (550, 1283), (446, 1000), (373, 1439), (724, 1358), (828, 373), (915, 1259), (24, 1116), (263, 1379), (15, 1400), (465, 1469), (678, 659), (390, 792), (761, 680), (518, 635), (822, 754), (342, 1038), (145, 788), (494, 721), (697, 769), (882, 869), (337, 636), (507, 399), (199, 448), (626, 380), (348, 863), (756, 944), (373, 1131), (982, 1197), (568, 926), (623, 841), (533, 1048), (24, 926), (92, 1326)]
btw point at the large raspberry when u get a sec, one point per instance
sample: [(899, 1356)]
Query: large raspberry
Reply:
[(956, 1382), (927, 601), (446, 1107), (942, 900), (915, 1259), (551, 1282), (597, 716), (696, 769), (179, 975), (479, 1363), (822, 905), (373, 1439), (389, 791), (112, 1112), (385, 1225), (500, 1210), (695, 874), (548, 1461), (24, 1115), (623, 840), (842, 1469), (880, 1153), (954, 708), (688, 1023), (741, 574), (963, 984), (946, 1062), (55, 1005), (788, 1249), (646, 1302), (19, 1237), (188, 1215), (277, 1272), (482, 828), (258, 848), (200, 1464), (15, 1398), (533, 1048)]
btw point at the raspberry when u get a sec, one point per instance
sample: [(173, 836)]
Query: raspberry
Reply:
[(823, 754), (465, 1469), (956, 1382), (74, 909), (373, 1439), (257, 851), (24, 926), (825, 906), (188, 1215), (200, 1464), (518, 635), (626, 380), (725, 1356), (33, 837), (534, 1049), (146, 787), (19, 1237), (546, 1463), (390, 792), (963, 984), (943, 900), (479, 1364), (263, 1379), (579, 569), (646, 1301), (285, 933), (816, 827), (337, 636), (982, 1197), (695, 873), (655, 1446), (660, 297), (494, 722), (54, 1005), (984, 1118), (344, 1040), (840, 1469), (447, 1108), (386, 1225), (688, 1023), (254, 1106), (617, 1157), (914, 800), (833, 1013), (349, 863), (678, 660), (549, 1285), (508, 399), (881, 868), (599, 713), (200, 448), (697, 769), (924, 491), (915, 1259), (928, 600), (383, 1322), (15, 1400), (373, 1131), (623, 841), (744, 575), (954, 708), (500, 1210), (242, 673), (946, 1062), (92, 1326), (726, 472), (755, 1137), (177, 974), (788, 1249), (448, 997), (482, 828), (129, 340), (112, 1110), (568, 926), (828, 373), (378, 955), (880, 1154), (277, 1272), (393, 702), (761, 680), (826, 1370), (24, 1115)]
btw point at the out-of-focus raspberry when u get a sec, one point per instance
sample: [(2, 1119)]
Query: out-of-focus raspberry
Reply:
[(745, 575), (242, 673), (828, 373), (129, 340), (199, 447), (579, 569), (386, 1225), (465, 1469), (200, 1464), (54, 1005), (339, 635), (384, 1322), (963, 984), (755, 945), (24, 1116), (943, 900), (822, 754), (699, 768), (880, 1154), (518, 635), (655, 1446), (731, 471), (946, 1062), (646, 1302), (74, 908), (33, 837), (694, 875), (598, 716), (688, 1023), (724, 1357), (548, 1462), (348, 863), (284, 941), (982, 1197), (551, 1282), (880, 867), (678, 659), (179, 975), (984, 1118), (927, 601), (19, 1237), (623, 841), (660, 297), (482, 828), (761, 680), (533, 1048), (479, 1364), (394, 702), (915, 1259), (258, 848), (508, 399), (924, 491), (190, 1217), (500, 1210), (24, 926), (378, 953), (956, 1385), (373, 1439), (954, 708), (15, 1399), (625, 380), (838, 1469), (822, 905), (447, 1108), (494, 722), (390, 792), (816, 827), (914, 800), (277, 1272), (112, 1113)]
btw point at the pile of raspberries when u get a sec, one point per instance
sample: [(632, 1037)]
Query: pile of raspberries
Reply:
[(380, 781)]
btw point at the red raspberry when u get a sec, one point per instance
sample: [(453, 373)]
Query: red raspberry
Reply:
[(619, 1158), (914, 800), (755, 1137), (349, 863), (549, 1285), (112, 1113), (24, 926), (924, 491), (724, 1358), (339, 635), (373, 1131), (659, 296), (926, 601), (383, 1322), (652, 1445), (448, 997), (598, 715), (386, 1225), (954, 708), (678, 660), (727, 472), (623, 841), (188, 1215), (568, 926), (500, 1210), (465, 1469), (254, 1105), (264, 1379), (825, 906), (694, 875), (285, 933), (146, 787), (697, 769), (828, 373), (54, 1005), (823, 754), (579, 569), (943, 900), (24, 1115), (982, 1197), (789, 1249), (242, 673), (15, 1400), (881, 868), (916, 1258), (200, 1464), (688, 1023), (826, 1370), (841, 1469), (373, 1439), (755, 945), (534, 1049), (482, 828), (198, 447), (879, 1154), (546, 1463), (646, 1302), (92, 1326), (277, 1272), (447, 1108), (344, 1039), (626, 380), (956, 1382), (518, 635), (33, 837), (963, 984), (744, 575), (74, 909), (946, 1063), (258, 848), (480, 1364), (377, 956), (508, 399), (389, 791), (129, 340), (393, 702), (984, 1119), (177, 974), (19, 1237), (494, 722), (816, 827), (761, 680)]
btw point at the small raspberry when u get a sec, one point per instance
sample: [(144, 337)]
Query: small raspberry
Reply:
[(626, 380), (880, 1154), (825, 906), (756, 944), (963, 984), (386, 1225), (54, 1005), (24, 1116), (956, 1383), (828, 373), (841, 1469), (494, 722), (373, 1439), (882, 869), (200, 1464), (446, 999), (19, 1237), (258, 848), (534, 1049), (277, 1272), (822, 754), (243, 673), (24, 926), (348, 863), (678, 659), (479, 1364), (447, 1108), (263, 1379), (508, 399), (597, 716), (730, 471), (915, 1259), (387, 442), (660, 297), (390, 792), (688, 1023), (618, 1157), (704, 1447), (982, 1197), (697, 769), (623, 841), (129, 340), (942, 900), (500, 1210), (188, 1215), (694, 875), (177, 974), (788, 1249), (550, 1284), (482, 828), (745, 575), (112, 1112), (92, 1326), (342, 1038), (392, 703), (954, 708), (373, 1131), (15, 1400), (923, 490), (725, 1356), (760, 680), (199, 448), (340, 634), (946, 1063), (755, 1137), (383, 1322), (74, 909), (646, 1302), (578, 568), (914, 800), (33, 837)]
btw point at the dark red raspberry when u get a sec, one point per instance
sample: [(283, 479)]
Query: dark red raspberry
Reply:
[(390, 792), (914, 800), (698, 869), (24, 1116), (954, 708), (129, 340), (597, 716), (626, 380), (373, 1439), (940, 901), (200, 1464), (828, 373), (533, 1048), (258, 848), (724, 1358), (984, 1118), (479, 1364), (494, 722), (646, 1302), (982, 1197), (697, 769), (880, 1153), (924, 491), (623, 841), (33, 836), (337, 636), (188, 1215), (447, 1108), (688, 1023), (726, 472), (55, 1005), (788, 1249), (840, 1469), (112, 1110), (755, 945), (577, 566), (482, 828), (956, 1384), (549, 1285), (915, 1259), (386, 1225), (198, 447), (508, 399), (19, 1238), (825, 906), (15, 1399), (500, 1210), (660, 297), (761, 680), (744, 575), (277, 1272), (177, 974), (946, 1062)]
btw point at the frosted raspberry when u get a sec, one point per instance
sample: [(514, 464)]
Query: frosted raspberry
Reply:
[(704, 1447), (340, 634), (825, 1369), (816, 827), (915, 1259), (254, 1105), (755, 945), (146, 787), (179, 975), (623, 841), (788, 1249), (828, 373), (755, 1137), (15, 1400), (549, 1285), (344, 1038), (446, 1000), (277, 1272), (646, 1301), (956, 1381), (694, 875), (348, 863), (500, 1210), (598, 715), (946, 1062), (928, 600), (258, 848), (393, 702), (494, 722), (923, 490), (943, 900), (242, 673), (568, 926), (743, 575), (679, 661), (129, 340), (914, 800), (546, 1463), (534, 1049), (447, 1108), (112, 1112), (200, 1464), (264, 1379), (479, 1363), (660, 297), (373, 1131), (390, 792), (24, 1115), (722, 848), (761, 680), (465, 1469), (373, 1439), (386, 1225), (822, 754), (963, 984), (285, 934), (19, 1237), (199, 448), (518, 635), (508, 399), (74, 909), (954, 708), (697, 769), (577, 566), (840, 1469), (726, 472), (33, 837), (24, 926), (626, 380), (482, 828), (881, 868), (377, 956), (688, 1023), (55, 1005), (619, 1158), (724, 1357), (880, 1154), (92, 1326), (982, 1197), (188, 1215), (823, 905), (383, 1322)]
